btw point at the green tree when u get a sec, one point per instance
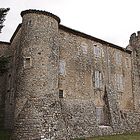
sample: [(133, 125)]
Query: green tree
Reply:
[(3, 13)]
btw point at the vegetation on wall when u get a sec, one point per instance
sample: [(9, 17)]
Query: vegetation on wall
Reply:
[(3, 64), (3, 13), (4, 135)]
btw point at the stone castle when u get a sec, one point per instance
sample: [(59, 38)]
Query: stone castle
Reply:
[(62, 84)]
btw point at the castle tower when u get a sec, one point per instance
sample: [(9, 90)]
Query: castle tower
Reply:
[(134, 45), (38, 109)]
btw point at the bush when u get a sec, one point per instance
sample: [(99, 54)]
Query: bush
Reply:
[(4, 135)]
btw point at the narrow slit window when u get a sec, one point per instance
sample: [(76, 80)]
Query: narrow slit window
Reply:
[(61, 95)]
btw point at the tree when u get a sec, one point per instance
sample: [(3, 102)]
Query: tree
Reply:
[(3, 13)]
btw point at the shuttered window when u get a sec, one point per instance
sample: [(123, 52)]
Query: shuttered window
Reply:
[(98, 79), (99, 115), (97, 51), (119, 82), (62, 67), (118, 58), (84, 48)]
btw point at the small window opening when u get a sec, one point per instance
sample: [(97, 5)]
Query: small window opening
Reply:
[(29, 22), (27, 62), (61, 94)]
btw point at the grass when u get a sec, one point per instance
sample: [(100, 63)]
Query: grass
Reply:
[(4, 135), (134, 136)]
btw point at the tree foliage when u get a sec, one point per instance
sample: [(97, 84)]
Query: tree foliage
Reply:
[(3, 64), (3, 13)]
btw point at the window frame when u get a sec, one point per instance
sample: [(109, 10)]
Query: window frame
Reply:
[(118, 58), (62, 67), (29, 64), (61, 94), (98, 79), (119, 82)]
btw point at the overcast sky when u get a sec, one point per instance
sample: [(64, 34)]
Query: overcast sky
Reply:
[(111, 20)]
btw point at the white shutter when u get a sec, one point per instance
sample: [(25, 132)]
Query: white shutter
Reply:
[(84, 49), (118, 57), (99, 115), (97, 51), (119, 82), (100, 76), (102, 50), (97, 81), (62, 67)]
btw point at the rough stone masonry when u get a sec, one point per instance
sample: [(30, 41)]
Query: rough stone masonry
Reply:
[(62, 84)]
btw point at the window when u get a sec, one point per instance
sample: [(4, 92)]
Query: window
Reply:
[(61, 94), (97, 51), (84, 48), (27, 62), (127, 62), (102, 51), (99, 115), (118, 58), (98, 79), (119, 82), (29, 23), (62, 67)]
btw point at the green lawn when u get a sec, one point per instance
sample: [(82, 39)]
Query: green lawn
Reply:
[(134, 136), (4, 135)]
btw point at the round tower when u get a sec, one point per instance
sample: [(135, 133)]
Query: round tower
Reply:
[(37, 109)]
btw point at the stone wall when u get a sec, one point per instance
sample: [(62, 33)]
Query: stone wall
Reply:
[(2, 99), (11, 82), (38, 111), (4, 51), (77, 78), (63, 84), (78, 63), (80, 118), (134, 46)]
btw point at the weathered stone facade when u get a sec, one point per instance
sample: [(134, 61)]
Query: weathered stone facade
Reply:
[(63, 84)]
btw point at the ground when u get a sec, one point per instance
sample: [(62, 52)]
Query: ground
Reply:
[(4, 135), (134, 136)]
